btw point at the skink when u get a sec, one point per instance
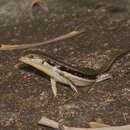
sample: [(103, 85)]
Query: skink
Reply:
[(61, 72)]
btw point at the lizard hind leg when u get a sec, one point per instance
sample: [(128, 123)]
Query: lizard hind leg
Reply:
[(53, 86), (72, 85)]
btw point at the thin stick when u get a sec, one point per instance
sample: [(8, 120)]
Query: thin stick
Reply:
[(53, 124), (97, 125), (31, 45)]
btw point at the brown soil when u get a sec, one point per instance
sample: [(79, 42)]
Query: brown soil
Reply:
[(26, 94)]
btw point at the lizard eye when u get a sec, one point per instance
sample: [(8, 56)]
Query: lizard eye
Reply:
[(31, 56)]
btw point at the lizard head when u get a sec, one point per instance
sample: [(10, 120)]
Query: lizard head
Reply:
[(37, 61), (32, 59)]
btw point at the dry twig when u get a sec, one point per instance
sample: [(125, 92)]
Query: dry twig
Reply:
[(53, 124), (32, 45), (97, 125)]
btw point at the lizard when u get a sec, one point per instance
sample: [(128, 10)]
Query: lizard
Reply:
[(67, 74)]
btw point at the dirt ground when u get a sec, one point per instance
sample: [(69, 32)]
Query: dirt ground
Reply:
[(26, 95)]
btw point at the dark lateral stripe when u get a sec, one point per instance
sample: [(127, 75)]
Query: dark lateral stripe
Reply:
[(73, 72)]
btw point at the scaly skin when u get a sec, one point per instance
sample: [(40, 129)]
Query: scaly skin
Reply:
[(61, 72)]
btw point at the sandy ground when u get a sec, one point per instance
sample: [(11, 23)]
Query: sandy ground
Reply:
[(26, 94)]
